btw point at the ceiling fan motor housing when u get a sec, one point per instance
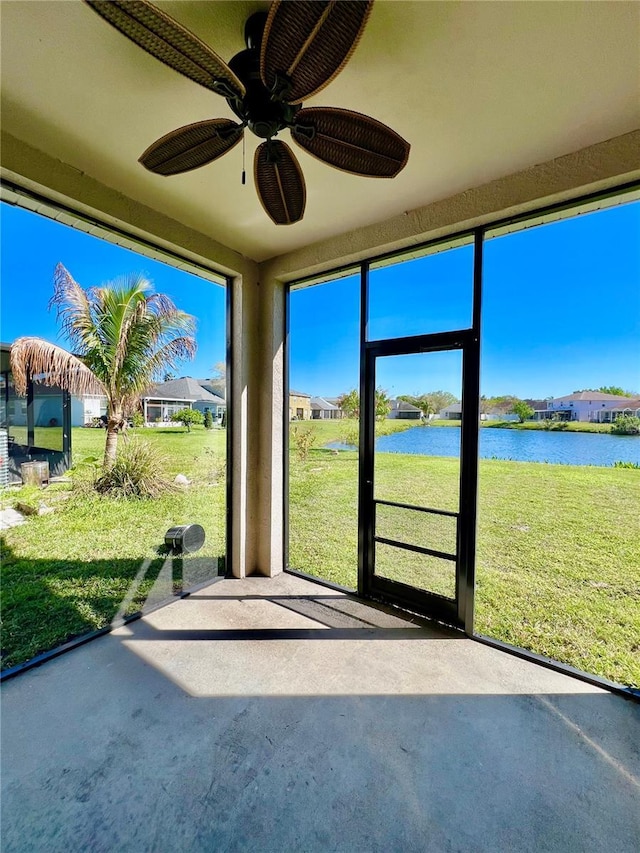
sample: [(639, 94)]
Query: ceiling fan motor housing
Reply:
[(263, 111)]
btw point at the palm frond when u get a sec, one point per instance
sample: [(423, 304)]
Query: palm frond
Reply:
[(170, 354), (50, 365), (75, 311)]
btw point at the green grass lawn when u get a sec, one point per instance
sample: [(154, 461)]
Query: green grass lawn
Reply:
[(72, 571), (558, 546)]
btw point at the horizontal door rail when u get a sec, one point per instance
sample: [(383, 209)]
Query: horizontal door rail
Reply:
[(418, 549), (447, 512), (435, 342), (439, 606)]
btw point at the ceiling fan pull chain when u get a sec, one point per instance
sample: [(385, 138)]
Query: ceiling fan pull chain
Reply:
[(244, 174)]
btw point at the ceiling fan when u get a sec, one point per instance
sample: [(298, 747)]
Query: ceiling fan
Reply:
[(293, 51)]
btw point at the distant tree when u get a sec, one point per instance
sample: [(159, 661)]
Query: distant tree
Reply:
[(431, 402), (383, 404), (186, 417), (439, 400), (501, 405), (522, 410), (615, 389), (350, 404), (421, 402), (168, 377)]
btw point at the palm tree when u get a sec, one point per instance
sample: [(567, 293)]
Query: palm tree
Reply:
[(124, 337)]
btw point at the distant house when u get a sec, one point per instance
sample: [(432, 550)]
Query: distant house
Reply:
[(323, 410), (499, 416), (401, 410), (584, 406), (299, 406), (451, 413), (86, 408), (214, 386), (167, 398), (631, 406)]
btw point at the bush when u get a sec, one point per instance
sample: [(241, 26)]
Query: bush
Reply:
[(186, 417), (304, 438), (208, 420), (555, 425), (626, 425), (620, 464), (137, 472), (137, 420)]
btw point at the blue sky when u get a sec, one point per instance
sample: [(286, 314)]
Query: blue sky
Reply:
[(561, 306), (32, 246), (561, 312)]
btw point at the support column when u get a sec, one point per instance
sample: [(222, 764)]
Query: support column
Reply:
[(243, 422), (269, 378)]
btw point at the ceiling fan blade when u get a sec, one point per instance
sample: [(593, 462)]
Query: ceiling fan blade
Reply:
[(351, 141), (307, 43), (191, 146), (279, 182), (163, 37)]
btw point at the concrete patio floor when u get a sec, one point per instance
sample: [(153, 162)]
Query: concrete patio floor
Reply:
[(278, 715)]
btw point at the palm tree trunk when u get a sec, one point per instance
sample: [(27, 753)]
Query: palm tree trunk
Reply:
[(114, 422)]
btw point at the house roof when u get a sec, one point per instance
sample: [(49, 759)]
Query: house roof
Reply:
[(593, 396), (454, 407), (627, 403), (415, 61), (321, 404), (298, 393), (403, 406), (186, 388)]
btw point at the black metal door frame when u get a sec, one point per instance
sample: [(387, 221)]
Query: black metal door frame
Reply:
[(458, 612)]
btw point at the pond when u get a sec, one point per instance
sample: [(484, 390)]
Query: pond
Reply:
[(558, 448)]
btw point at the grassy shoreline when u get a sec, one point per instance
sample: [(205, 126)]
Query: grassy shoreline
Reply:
[(555, 426)]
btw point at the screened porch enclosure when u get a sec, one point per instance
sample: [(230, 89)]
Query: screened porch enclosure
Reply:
[(37, 427), (482, 522)]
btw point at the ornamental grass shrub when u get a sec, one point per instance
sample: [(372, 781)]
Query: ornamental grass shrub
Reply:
[(138, 472), (626, 425)]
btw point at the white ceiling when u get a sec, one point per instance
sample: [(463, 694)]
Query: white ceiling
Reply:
[(479, 89)]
